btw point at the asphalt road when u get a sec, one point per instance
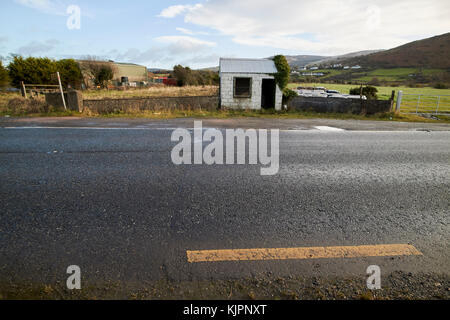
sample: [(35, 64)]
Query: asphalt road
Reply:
[(112, 202)]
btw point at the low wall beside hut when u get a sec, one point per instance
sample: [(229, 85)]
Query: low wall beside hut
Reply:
[(340, 105)]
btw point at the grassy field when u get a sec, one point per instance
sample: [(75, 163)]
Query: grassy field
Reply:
[(157, 91), (384, 93), (410, 103), (388, 75)]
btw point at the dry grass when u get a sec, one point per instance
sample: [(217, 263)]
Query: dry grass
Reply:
[(12, 103), (5, 97), (15, 105), (155, 91), (22, 106)]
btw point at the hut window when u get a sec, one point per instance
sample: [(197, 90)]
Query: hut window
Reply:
[(242, 87)]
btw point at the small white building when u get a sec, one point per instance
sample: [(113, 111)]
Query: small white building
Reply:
[(249, 84)]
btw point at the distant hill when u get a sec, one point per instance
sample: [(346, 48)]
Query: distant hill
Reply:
[(310, 60), (302, 60), (158, 70), (341, 58), (213, 69), (428, 53), (294, 61)]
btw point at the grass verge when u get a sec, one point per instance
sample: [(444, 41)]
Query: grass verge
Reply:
[(225, 114)]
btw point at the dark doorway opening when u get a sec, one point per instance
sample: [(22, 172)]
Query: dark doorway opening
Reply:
[(268, 94)]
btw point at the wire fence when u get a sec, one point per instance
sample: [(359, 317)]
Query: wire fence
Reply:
[(423, 103)]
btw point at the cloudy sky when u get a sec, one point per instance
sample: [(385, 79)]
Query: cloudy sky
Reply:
[(197, 33)]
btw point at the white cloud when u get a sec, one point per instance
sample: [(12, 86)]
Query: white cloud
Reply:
[(173, 50), (185, 31), (320, 26), (45, 6), (202, 60), (185, 41), (176, 10), (191, 33)]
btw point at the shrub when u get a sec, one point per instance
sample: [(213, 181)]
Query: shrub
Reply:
[(187, 77), (440, 86), (43, 71), (4, 78), (282, 76), (288, 94), (104, 75), (98, 72), (368, 91), (183, 75), (27, 106), (70, 73), (374, 82), (31, 71)]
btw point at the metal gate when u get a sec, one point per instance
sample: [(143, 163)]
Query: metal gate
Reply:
[(423, 103)]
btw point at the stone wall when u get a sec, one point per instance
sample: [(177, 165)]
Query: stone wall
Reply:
[(129, 105), (228, 100), (74, 100), (340, 105)]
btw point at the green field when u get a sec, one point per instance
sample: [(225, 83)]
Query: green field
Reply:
[(384, 93), (427, 102), (394, 75)]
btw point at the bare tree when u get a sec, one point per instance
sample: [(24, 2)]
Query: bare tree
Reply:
[(97, 71)]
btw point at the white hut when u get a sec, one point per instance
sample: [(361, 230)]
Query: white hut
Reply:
[(249, 84)]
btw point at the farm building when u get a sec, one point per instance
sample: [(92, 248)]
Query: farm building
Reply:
[(123, 72), (249, 84), (134, 72)]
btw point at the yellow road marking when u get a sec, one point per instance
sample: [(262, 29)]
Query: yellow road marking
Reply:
[(382, 250)]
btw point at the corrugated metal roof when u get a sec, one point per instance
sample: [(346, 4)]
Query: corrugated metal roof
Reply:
[(228, 65)]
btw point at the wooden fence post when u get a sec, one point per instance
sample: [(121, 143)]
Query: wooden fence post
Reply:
[(62, 91), (23, 90)]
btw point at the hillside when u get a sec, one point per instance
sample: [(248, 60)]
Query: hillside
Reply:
[(428, 53), (302, 60), (344, 57)]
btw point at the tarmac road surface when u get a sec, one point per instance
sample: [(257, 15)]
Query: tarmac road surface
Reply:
[(105, 195)]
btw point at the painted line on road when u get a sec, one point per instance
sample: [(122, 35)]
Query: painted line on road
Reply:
[(109, 128), (406, 130), (330, 129), (164, 129), (93, 128), (382, 250)]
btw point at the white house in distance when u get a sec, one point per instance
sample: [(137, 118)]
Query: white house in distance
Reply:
[(249, 84)]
